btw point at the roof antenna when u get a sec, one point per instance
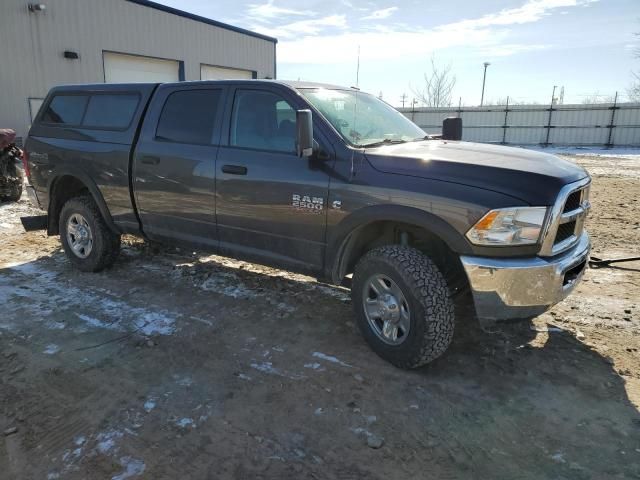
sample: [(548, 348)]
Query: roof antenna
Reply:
[(355, 114), (358, 69)]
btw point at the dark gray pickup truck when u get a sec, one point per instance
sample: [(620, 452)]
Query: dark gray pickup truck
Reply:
[(317, 179)]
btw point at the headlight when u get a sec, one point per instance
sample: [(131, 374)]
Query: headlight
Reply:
[(509, 226)]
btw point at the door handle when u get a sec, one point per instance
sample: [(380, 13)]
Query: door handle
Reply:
[(151, 160), (234, 169)]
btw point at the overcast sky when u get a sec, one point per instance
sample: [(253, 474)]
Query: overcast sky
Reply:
[(532, 45)]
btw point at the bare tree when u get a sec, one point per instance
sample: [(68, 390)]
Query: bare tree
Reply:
[(438, 86), (633, 92), (597, 98)]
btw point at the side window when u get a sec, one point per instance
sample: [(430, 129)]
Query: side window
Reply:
[(263, 121), (65, 109), (111, 111), (188, 116)]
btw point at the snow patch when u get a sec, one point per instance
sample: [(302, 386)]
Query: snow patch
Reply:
[(185, 422), (185, 381), (46, 293), (149, 405), (51, 349), (227, 284), (330, 358), (132, 468), (107, 440), (314, 366), (267, 367)]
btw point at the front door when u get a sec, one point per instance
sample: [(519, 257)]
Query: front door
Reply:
[(174, 166), (271, 204)]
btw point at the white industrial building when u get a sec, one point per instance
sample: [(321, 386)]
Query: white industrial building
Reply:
[(58, 42)]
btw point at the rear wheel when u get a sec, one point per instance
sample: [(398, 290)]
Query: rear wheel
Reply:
[(87, 240), (403, 306)]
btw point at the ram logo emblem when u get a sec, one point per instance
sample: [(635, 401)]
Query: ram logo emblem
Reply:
[(307, 203)]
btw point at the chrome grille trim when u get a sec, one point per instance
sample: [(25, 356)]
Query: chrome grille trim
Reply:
[(557, 217)]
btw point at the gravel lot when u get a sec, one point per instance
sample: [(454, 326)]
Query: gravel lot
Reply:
[(176, 365)]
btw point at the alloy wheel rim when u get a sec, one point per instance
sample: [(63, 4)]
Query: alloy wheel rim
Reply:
[(386, 309), (79, 235)]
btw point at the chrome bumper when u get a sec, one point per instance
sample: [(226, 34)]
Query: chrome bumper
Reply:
[(506, 288)]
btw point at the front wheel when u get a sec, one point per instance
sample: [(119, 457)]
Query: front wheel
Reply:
[(87, 240), (403, 306)]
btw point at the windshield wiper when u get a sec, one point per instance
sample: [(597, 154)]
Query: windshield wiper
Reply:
[(386, 141)]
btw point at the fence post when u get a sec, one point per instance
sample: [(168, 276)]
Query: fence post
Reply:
[(612, 125), (546, 143), (505, 126)]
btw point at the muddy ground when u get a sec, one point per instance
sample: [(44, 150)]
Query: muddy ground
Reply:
[(173, 365)]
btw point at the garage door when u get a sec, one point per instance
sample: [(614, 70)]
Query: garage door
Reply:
[(121, 68), (209, 72)]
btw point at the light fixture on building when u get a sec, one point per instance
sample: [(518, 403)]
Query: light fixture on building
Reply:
[(37, 7), (70, 54)]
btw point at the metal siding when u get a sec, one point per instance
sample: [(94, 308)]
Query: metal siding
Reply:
[(626, 136), (212, 72), (33, 45), (527, 124)]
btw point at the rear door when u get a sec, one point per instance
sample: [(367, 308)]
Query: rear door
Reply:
[(174, 165), (271, 204)]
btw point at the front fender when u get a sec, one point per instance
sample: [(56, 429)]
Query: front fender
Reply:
[(343, 233)]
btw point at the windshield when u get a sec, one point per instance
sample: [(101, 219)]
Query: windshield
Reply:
[(362, 119)]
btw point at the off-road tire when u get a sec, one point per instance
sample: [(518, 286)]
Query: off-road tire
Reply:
[(425, 289), (106, 244)]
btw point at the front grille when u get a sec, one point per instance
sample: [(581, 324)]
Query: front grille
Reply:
[(565, 231), (573, 201), (567, 219)]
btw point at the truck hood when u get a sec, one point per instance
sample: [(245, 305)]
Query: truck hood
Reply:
[(533, 177)]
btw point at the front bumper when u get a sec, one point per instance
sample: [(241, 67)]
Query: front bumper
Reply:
[(507, 288)]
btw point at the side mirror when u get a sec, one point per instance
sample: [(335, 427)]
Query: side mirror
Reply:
[(304, 133), (452, 128)]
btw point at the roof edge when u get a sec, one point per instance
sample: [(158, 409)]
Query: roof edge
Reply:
[(198, 18)]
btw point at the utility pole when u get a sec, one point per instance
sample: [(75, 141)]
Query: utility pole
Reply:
[(403, 98), (484, 79)]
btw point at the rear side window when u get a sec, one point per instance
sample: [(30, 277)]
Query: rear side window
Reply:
[(111, 111), (188, 116), (67, 109)]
